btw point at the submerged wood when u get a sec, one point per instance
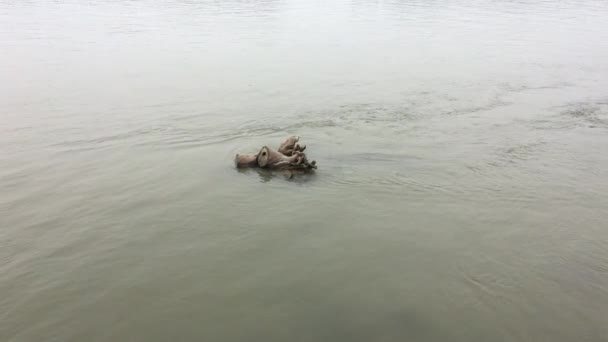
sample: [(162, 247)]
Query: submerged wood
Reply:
[(289, 156)]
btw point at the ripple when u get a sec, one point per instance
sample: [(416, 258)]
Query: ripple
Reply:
[(587, 114)]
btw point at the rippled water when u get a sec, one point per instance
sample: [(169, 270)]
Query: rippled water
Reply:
[(461, 193)]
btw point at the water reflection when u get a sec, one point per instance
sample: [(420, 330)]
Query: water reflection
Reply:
[(267, 175)]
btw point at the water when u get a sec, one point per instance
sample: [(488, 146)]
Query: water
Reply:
[(461, 191)]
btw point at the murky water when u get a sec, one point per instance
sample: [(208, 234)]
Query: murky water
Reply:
[(461, 193)]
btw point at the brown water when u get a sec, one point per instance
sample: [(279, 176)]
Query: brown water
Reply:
[(462, 190)]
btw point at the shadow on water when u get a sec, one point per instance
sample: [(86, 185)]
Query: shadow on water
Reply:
[(267, 175)]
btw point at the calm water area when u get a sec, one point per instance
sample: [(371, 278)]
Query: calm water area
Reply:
[(461, 194)]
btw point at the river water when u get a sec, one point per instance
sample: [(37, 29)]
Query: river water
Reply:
[(461, 195)]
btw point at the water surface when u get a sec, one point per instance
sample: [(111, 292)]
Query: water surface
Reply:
[(461, 192)]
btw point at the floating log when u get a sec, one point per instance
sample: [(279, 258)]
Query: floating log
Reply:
[(289, 156)]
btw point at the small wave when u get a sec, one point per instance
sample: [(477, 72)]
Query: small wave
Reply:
[(589, 114)]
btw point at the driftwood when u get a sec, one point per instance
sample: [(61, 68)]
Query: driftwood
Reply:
[(289, 156)]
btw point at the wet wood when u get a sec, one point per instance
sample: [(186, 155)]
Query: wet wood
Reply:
[(289, 156)]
